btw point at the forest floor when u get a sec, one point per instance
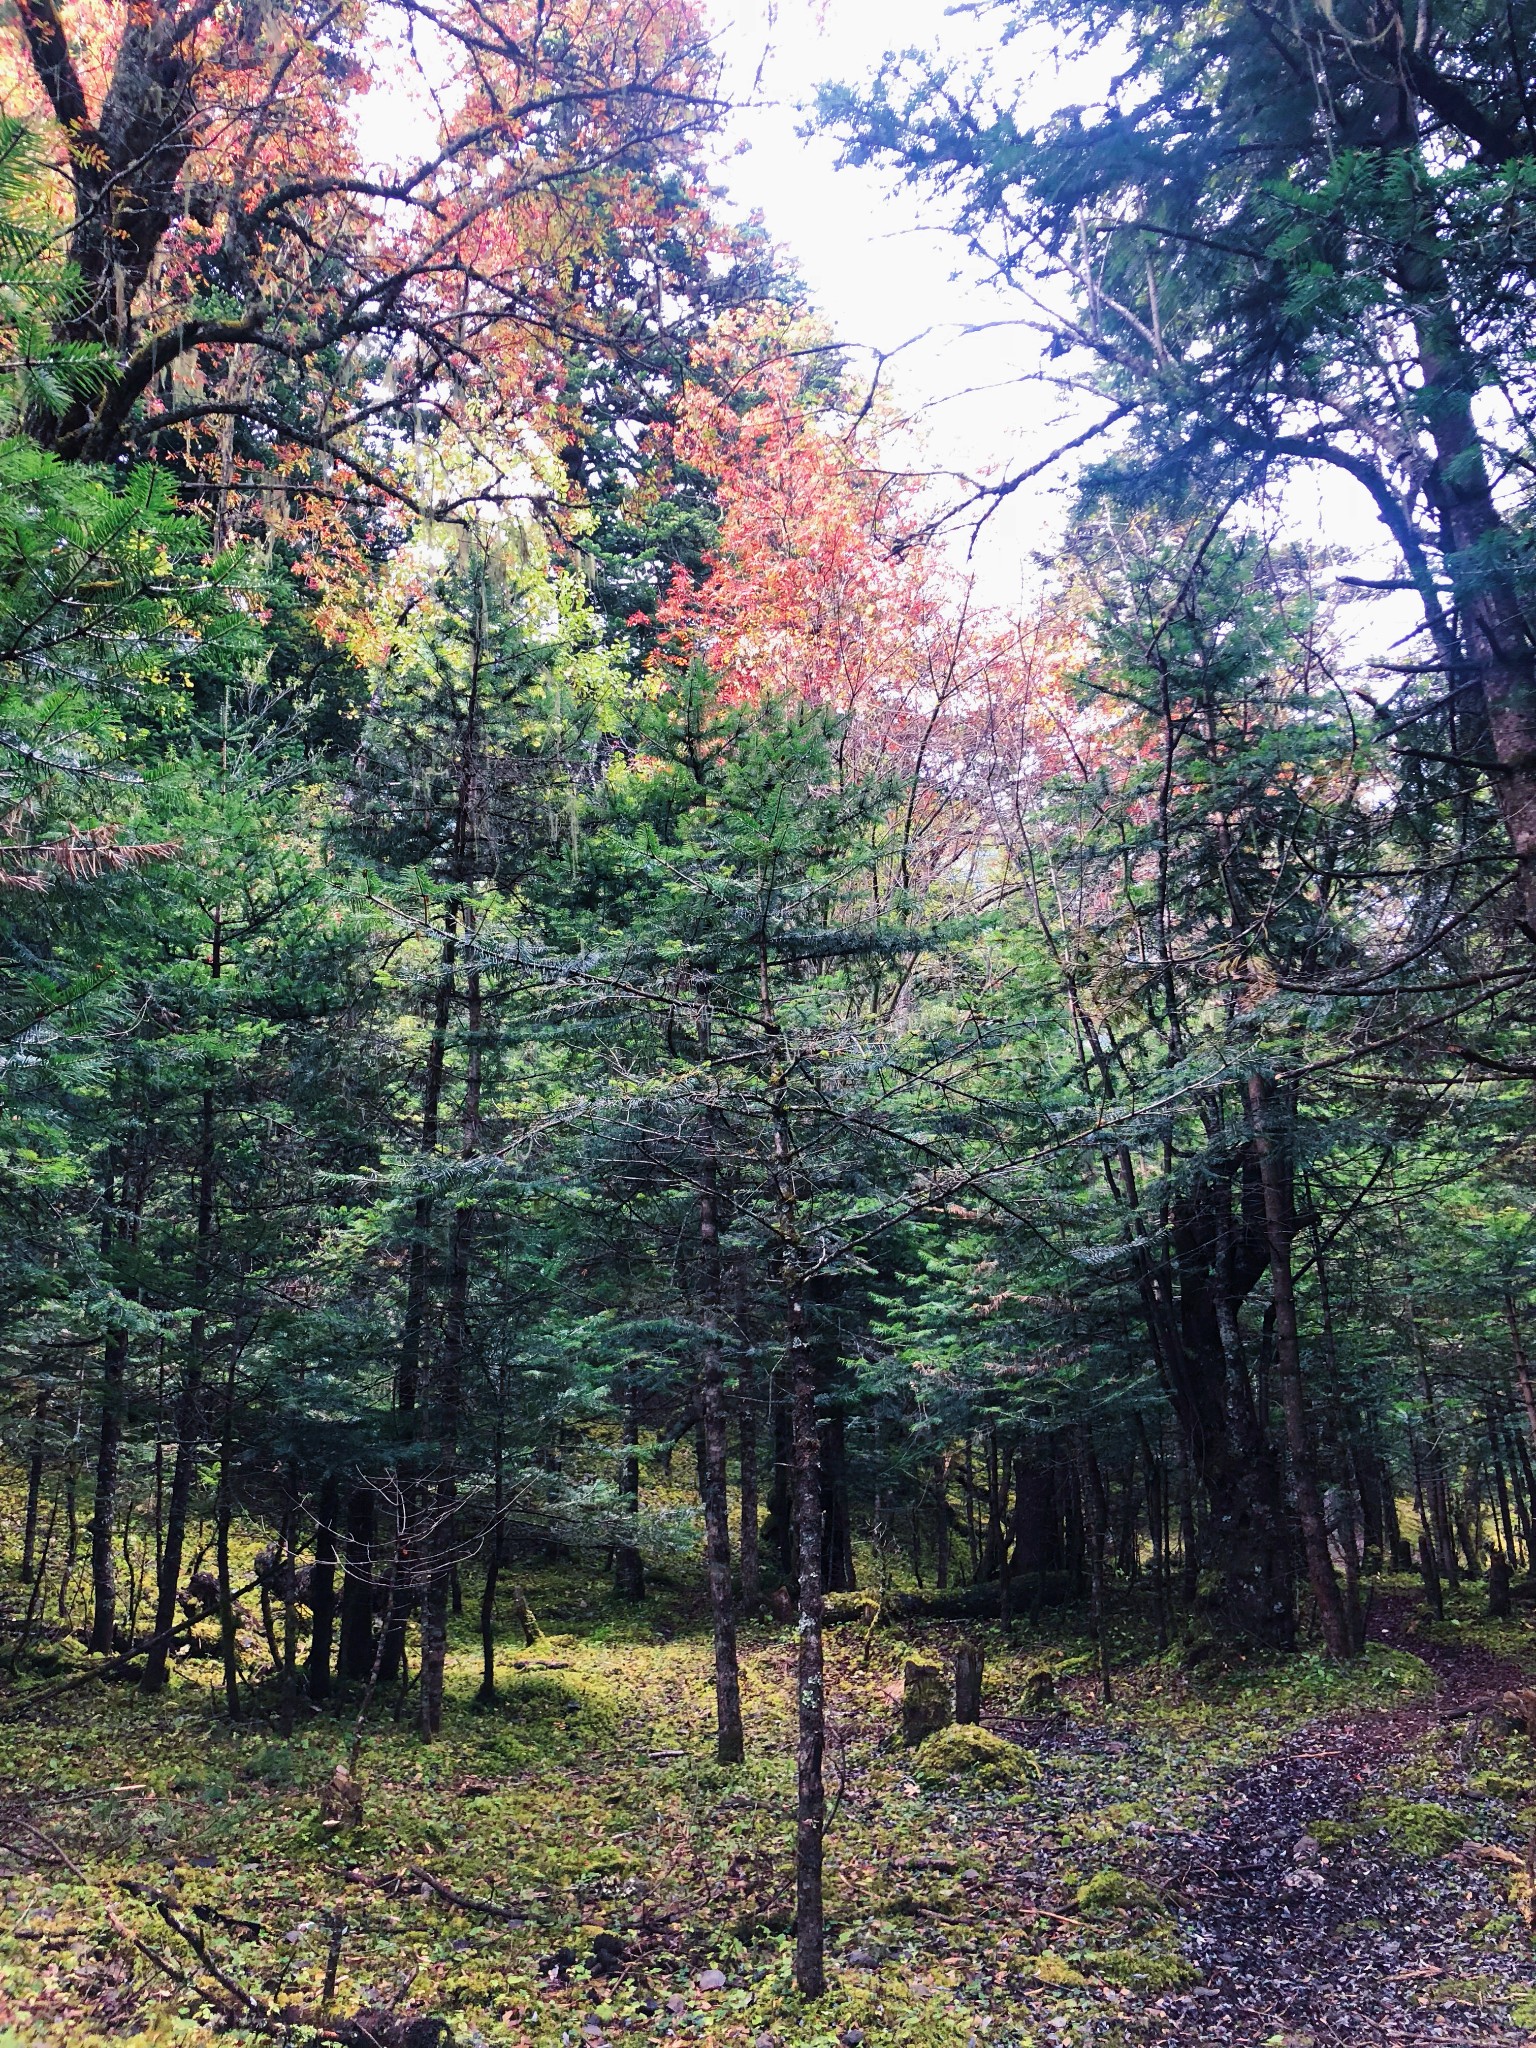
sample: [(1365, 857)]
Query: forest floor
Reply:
[(1244, 1853)]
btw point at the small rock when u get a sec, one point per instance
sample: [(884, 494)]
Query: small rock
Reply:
[(865, 1958), (766, 2041), (677, 2005), (710, 1980), (852, 2037), (1306, 1851)]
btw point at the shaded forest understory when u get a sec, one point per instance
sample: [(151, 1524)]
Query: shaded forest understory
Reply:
[(1241, 1852), (550, 929)]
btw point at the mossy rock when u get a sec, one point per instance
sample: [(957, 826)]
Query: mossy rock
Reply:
[(977, 1755), (1418, 1827), (1051, 1968), (538, 1699), (1142, 1969), (1111, 1891)]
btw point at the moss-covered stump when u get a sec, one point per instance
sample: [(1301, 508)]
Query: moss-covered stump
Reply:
[(926, 1701), (975, 1756), (1040, 1691)]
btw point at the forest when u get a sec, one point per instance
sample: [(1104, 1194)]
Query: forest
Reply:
[(746, 1297)]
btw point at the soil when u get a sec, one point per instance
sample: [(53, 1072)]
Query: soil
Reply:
[(1354, 1946)]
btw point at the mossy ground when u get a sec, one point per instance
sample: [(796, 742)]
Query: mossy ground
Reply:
[(586, 1804)]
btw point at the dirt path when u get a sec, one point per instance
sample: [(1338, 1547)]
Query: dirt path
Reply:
[(1349, 1947)]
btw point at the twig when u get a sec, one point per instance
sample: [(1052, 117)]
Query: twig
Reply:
[(464, 1903)]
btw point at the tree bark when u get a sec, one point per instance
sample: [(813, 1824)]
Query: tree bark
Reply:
[(189, 1400), (628, 1564), (729, 1739), (487, 1692), (746, 1440), (35, 1462), (1338, 1633), (322, 1590), (941, 1522), (109, 1443), (355, 1653), (223, 1516), (450, 1387)]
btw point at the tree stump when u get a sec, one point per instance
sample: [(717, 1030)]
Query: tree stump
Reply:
[(1039, 1691), (527, 1620), (969, 1660), (1431, 1574), (925, 1699), (1499, 1577), (341, 1800)]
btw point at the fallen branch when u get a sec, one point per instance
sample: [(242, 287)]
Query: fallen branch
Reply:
[(465, 1904), (110, 1667)]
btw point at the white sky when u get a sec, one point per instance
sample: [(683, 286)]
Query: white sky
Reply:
[(880, 275), (880, 267)]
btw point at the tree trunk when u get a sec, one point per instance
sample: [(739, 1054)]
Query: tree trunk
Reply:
[(450, 1387), (487, 1692), (1339, 1634), (189, 1401), (109, 1443), (1478, 546), (628, 1564), (229, 1655), (941, 1522), (837, 1574), (34, 1486), (729, 1739), (810, 1791), (970, 1659), (746, 1436), (355, 1655), (1154, 1481), (288, 1582), (322, 1589)]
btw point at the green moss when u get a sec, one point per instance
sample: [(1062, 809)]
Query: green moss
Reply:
[(1111, 1891), (1463, 1990), (1054, 1969), (538, 1700), (846, 1607), (975, 1754), (1496, 1785), (1418, 1827), (1144, 1969), (1523, 2011), (926, 1702), (1332, 1834)]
